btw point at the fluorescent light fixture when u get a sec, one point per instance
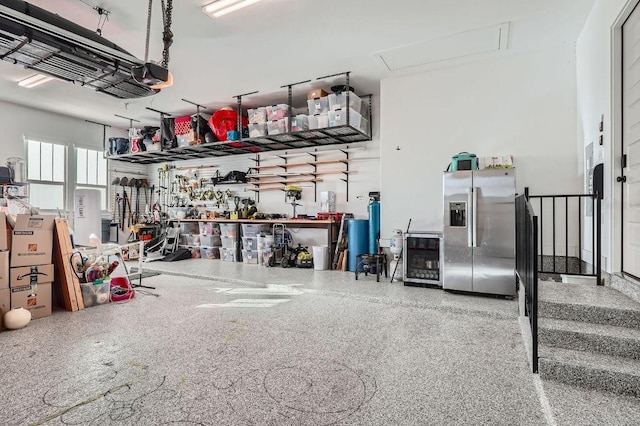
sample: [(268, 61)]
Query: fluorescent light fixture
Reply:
[(34, 80), (222, 7)]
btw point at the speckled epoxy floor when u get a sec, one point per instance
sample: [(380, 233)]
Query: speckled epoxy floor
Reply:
[(304, 348)]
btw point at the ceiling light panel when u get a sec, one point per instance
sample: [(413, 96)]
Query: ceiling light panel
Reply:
[(34, 80), (222, 7)]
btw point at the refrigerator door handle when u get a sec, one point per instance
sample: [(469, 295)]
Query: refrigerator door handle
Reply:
[(470, 214), (474, 217)]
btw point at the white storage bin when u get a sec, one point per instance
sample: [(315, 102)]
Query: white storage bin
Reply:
[(210, 241), (209, 253), (339, 118), (252, 230), (250, 243), (189, 240), (299, 123), (319, 121), (257, 130), (318, 105), (257, 115), (209, 228), (228, 242), (340, 101), (250, 256), (228, 254), (277, 112), (278, 127), (228, 230)]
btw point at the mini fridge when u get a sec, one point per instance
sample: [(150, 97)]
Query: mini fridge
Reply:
[(422, 259)]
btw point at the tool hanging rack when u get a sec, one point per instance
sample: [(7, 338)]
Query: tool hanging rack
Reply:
[(290, 140)]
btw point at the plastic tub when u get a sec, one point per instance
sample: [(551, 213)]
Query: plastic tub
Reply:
[(210, 241), (208, 228), (209, 253), (257, 115), (228, 254), (250, 256), (96, 293), (319, 121), (250, 243), (318, 106), (228, 242), (252, 230), (278, 127), (228, 229), (339, 118), (299, 123), (277, 112), (257, 130), (340, 101)]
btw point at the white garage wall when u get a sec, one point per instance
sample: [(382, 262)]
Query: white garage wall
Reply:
[(18, 122), (596, 79), (520, 104)]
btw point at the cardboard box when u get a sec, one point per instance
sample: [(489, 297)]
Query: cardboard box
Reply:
[(4, 232), (35, 298), (316, 93), (31, 275), (5, 300), (32, 240), (4, 270)]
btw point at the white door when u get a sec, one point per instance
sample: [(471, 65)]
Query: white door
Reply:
[(630, 178)]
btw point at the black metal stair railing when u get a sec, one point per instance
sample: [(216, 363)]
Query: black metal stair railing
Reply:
[(564, 214), (527, 267)]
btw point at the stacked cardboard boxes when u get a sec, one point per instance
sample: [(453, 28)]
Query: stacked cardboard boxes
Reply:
[(5, 298), (31, 272)]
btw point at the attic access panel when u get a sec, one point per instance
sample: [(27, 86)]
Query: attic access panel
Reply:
[(51, 45)]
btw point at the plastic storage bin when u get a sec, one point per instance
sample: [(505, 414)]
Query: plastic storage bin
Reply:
[(340, 101), (228, 230), (189, 240), (250, 243), (250, 256), (257, 115), (319, 121), (299, 123), (257, 130), (339, 118), (252, 230), (208, 228), (277, 112), (96, 293), (228, 242), (318, 105), (278, 127), (209, 253), (228, 254), (210, 241)]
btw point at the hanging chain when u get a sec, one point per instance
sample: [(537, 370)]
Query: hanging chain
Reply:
[(167, 35), (146, 46)]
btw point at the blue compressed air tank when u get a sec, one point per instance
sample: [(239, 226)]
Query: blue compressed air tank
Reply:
[(374, 226), (357, 241)]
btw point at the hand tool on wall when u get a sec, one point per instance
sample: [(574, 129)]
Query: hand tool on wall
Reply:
[(132, 183), (124, 182)]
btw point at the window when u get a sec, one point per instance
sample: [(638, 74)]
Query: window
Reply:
[(91, 172), (46, 166)]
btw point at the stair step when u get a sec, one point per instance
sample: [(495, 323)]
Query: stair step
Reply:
[(587, 303), (588, 370), (604, 339)]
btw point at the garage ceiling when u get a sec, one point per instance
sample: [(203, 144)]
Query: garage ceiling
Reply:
[(277, 42)]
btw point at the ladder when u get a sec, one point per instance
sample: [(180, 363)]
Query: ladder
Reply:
[(342, 239)]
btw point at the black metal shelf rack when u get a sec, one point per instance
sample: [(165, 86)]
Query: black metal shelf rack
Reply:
[(304, 139)]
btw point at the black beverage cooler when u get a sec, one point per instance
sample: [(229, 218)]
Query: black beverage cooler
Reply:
[(422, 259)]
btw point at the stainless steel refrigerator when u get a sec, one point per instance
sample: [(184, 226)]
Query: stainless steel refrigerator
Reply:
[(479, 231)]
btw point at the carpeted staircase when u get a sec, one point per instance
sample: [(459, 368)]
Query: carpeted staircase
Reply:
[(589, 336)]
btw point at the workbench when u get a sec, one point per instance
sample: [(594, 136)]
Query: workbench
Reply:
[(330, 225)]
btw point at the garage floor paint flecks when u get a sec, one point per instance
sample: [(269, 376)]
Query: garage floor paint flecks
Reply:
[(340, 352)]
